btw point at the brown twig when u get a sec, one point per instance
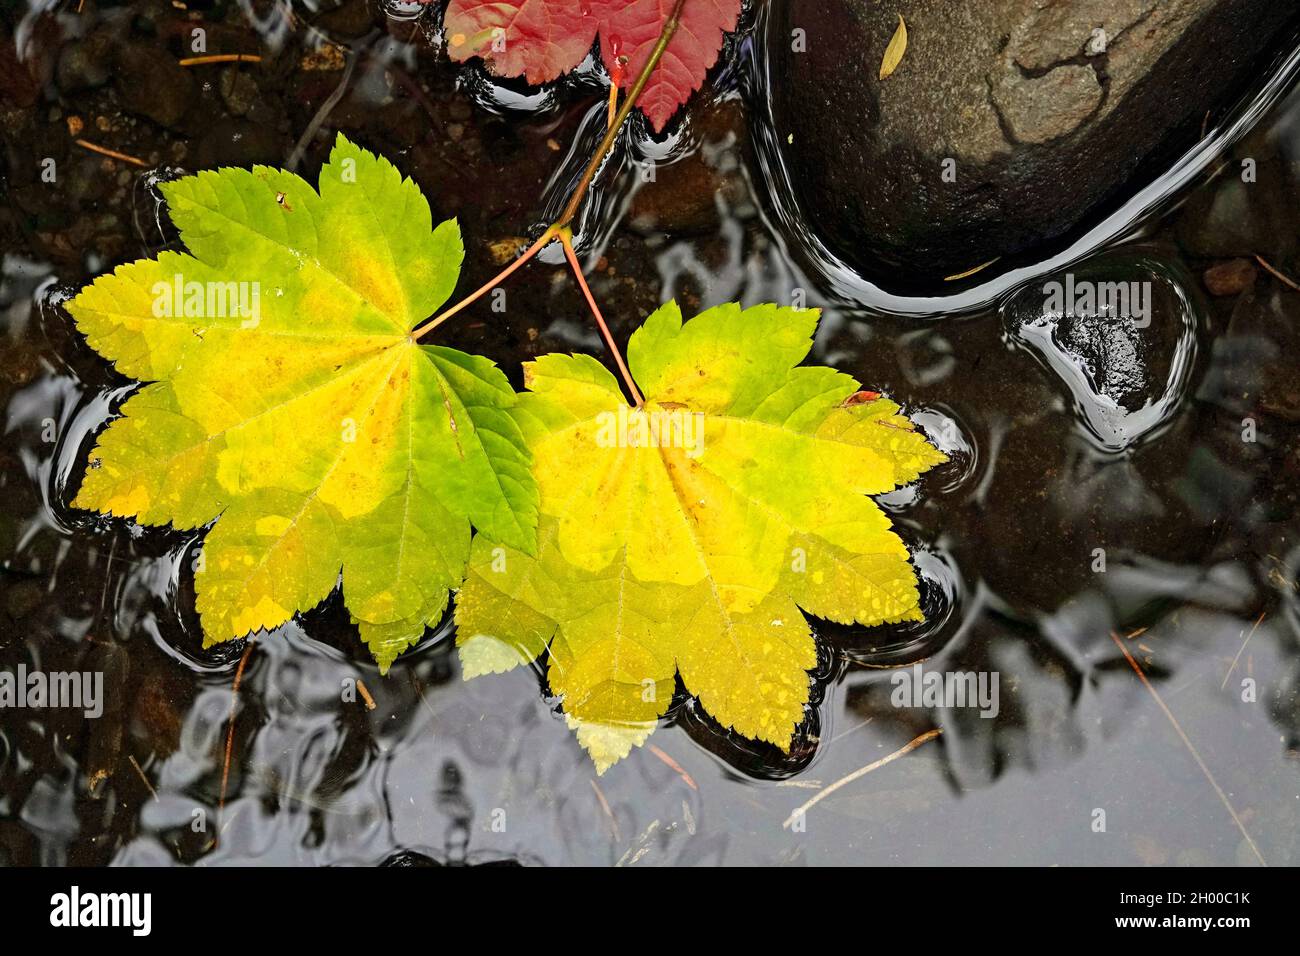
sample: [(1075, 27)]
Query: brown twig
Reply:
[(845, 733), (589, 174), (1137, 669), (111, 153), (1280, 276), (365, 694), (140, 771), (1232, 667), (220, 58), (970, 272), (230, 729), (686, 777), (604, 806), (859, 773)]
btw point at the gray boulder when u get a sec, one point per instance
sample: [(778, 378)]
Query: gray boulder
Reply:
[(1052, 111)]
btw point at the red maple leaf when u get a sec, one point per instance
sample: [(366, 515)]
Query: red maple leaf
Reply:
[(630, 28), (535, 39), (542, 39)]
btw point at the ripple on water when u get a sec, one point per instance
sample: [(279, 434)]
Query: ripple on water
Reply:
[(1120, 332)]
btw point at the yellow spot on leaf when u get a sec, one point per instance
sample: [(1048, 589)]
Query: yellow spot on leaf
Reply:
[(273, 526)]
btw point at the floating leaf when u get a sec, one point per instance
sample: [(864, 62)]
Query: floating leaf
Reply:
[(536, 39), (542, 39), (894, 52), (290, 405), (683, 537), (631, 29)]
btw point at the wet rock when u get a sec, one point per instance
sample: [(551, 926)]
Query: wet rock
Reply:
[(19, 85), (238, 90), (86, 64), (1039, 109), (350, 19), (1253, 375), (1109, 350), (683, 199), (1121, 335), (1250, 210), (1047, 111), (1230, 278), (152, 84), (689, 197), (22, 599)]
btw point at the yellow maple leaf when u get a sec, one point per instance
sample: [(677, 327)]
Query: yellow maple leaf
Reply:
[(684, 536), (289, 405)]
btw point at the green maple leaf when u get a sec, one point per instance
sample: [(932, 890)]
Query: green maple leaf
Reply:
[(685, 536), (290, 404)]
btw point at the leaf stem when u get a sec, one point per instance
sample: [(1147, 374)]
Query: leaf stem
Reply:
[(560, 228), (566, 240), (615, 78), (589, 174), (492, 283)]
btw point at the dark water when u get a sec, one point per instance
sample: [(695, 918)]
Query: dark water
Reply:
[(1072, 443)]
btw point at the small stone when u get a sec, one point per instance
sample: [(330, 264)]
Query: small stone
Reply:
[(683, 200), (238, 90), (1119, 332), (86, 64), (507, 249), (326, 58), (1234, 218), (1230, 278), (152, 84), (23, 598), (350, 19)]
